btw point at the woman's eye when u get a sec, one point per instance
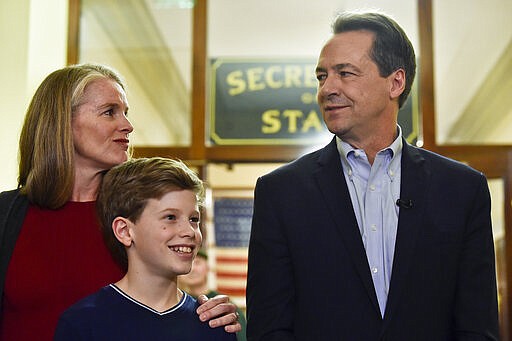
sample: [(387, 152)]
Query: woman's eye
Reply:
[(109, 112), (171, 217), (194, 219)]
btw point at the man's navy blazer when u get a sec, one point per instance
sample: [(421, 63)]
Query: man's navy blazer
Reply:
[(308, 276)]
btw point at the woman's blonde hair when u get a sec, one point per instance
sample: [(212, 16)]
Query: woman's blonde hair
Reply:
[(46, 151)]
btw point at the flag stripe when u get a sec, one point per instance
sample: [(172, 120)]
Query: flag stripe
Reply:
[(232, 291), (227, 259), (231, 275)]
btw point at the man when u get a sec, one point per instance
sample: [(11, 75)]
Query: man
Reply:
[(370, 238)]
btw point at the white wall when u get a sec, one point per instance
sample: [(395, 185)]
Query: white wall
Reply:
[(33, 36), (13, 82), (289, 28), (469, 37)]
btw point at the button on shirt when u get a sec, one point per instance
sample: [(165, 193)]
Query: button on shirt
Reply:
[(374, 190)]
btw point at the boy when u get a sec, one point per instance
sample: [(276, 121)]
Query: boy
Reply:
[(149, 214)]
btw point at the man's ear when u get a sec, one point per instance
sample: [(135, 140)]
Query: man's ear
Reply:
[(121, 229), (397, 83)]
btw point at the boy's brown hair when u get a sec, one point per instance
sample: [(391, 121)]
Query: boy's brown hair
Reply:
[(126, 189)]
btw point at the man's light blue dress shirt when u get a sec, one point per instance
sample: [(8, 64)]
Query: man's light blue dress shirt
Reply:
[(374, 190)]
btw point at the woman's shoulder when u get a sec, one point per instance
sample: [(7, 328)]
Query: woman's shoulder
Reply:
[(7, 196), (12, 203)]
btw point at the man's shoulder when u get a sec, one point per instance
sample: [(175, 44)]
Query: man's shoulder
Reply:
[(439, 163)]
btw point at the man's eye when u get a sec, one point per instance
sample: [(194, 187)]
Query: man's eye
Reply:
[(109, 112), (320, 77), (345, 73)]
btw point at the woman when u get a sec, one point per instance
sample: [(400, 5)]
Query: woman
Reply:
[(51, 250)]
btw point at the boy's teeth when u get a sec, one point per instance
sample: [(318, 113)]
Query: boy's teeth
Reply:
[(182, 249)]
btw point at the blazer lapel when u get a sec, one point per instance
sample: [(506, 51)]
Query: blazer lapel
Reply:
[(414, 181), (331, 181)]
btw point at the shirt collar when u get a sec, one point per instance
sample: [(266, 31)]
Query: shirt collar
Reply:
[(395, 147)]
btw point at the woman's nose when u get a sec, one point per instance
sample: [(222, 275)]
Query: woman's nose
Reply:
[(127, 125)]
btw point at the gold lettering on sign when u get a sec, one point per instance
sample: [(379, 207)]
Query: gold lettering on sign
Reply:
[(272, 76), (236, 83), (272, 123), (292, 120)]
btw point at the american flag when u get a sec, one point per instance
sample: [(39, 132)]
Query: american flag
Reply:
[(232, 226)]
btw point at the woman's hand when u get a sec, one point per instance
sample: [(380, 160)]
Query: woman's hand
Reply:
[(220, 311)]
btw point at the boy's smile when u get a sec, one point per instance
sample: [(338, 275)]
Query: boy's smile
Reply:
[(166, 237)]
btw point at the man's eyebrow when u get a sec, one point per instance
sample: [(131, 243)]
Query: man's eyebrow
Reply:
[(319, 69), (338, 67), (345, 66)]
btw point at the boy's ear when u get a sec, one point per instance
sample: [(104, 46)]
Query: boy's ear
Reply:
[(120, 227)]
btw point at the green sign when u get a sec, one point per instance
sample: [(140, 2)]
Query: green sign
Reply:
[(265, 102)]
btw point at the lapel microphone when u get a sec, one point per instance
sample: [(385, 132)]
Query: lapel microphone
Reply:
[(404, 203)]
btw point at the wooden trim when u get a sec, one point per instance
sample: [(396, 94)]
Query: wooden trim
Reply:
[(505, 317), (198, 91), (181, 153), (73, 31), (227, 154), (235, 154), (426, 74)]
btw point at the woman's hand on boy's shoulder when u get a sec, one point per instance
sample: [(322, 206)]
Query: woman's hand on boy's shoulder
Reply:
[(220, 312)]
